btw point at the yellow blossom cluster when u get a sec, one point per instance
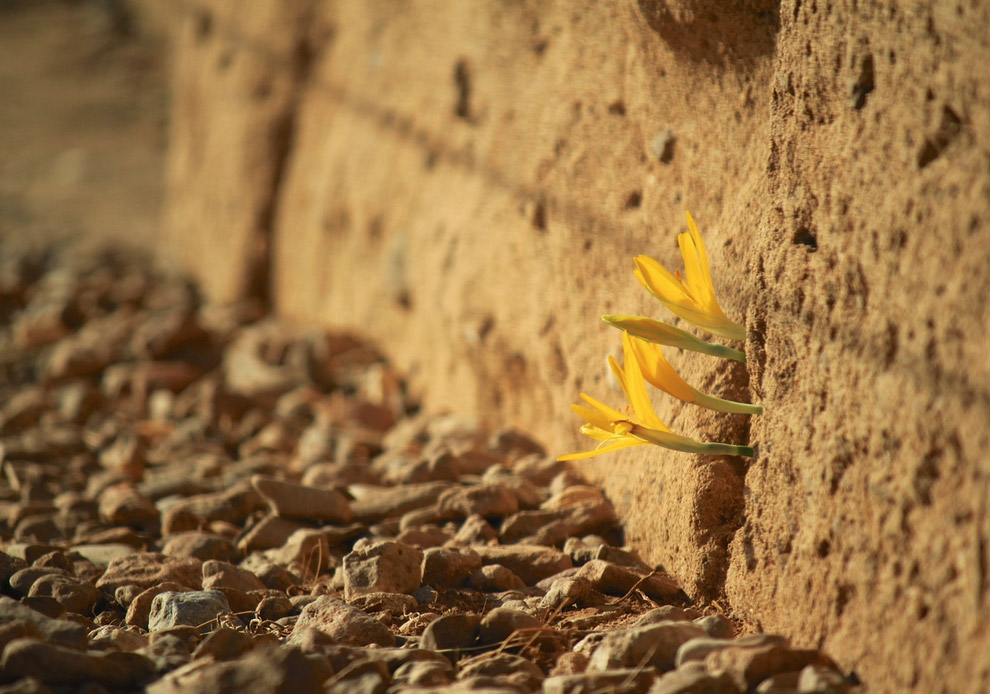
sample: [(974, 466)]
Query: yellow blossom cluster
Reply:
[(692, 297)]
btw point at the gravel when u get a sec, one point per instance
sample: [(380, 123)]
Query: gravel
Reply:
[(204, 499)]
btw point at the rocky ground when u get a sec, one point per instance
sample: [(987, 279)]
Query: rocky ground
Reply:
[(197, 499)]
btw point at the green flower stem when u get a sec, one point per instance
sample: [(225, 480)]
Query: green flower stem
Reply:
[(676, 442), (731, 406), (661, 333)]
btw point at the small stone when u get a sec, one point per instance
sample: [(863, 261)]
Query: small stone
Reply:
[(655, 645), (342, 623), (631, 681), (748, 666), (612, 579), (451, 633), (392, 604), (495, 578), (487, 500), (124, 505), (274, 607), (274, 576), (55, 631), (22, 580), (503, 666), (424, 537), (514, 444), (103, 555), (198, 609), (147, 569), (291, 500), (71, 593), (531, 563), (566, 591), (388, 566), (224, 644), (200, 545), (428, 673), (268, 533), (219, 575), (307, 551), (118, 638), (666, 613), (139, 608), (693, 678), (474, 531), (699, 648), (53, 664), (716, 626), (372, 504), (817, 679), (502, 622), (262, 670), (449, 568)]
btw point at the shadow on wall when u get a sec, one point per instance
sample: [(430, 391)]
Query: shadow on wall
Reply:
[(716, 32)]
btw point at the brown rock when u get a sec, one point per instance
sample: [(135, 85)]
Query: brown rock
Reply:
[(124, 505), (616, 580), (655, 644), (341, 623), (200, 545), (306, 551), (219, 575), (694, 678), (53, 664), (139, 609), (71, 593), (389, 567), (298, 501), (487, 500), (147, 569), (502, 622), (495, 578), (449, 568), (748, 666), (530, 563), (451, 633), (375, 503)]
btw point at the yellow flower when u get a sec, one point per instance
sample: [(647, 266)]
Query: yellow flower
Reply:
[(692, 297), (664, 334), (614, 429), (657, 371)]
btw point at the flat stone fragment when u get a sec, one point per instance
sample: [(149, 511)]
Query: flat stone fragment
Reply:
[(28, 657), (502, 622), (382, 567), (219, 575), (70, 592), (449, 568), (613, 579), (372, 504), (531, 563), (487, 500), (341, 623), (291, 500), (495, 578), (694, 678), (262, 670), (196, 608), (139, 608), (655, 645), (747, 666), (54, 631), (146, 569), (699, 648), (628, 681)]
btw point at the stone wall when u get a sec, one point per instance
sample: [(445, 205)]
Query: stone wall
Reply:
[(468, 182)]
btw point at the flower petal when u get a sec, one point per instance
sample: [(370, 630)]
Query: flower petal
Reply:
[(657, 370), (621, 443)]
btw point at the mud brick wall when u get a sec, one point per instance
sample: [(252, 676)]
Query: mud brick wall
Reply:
[(467, 182)]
